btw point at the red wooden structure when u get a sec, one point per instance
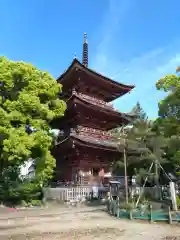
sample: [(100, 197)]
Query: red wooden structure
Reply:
[(85, 145)]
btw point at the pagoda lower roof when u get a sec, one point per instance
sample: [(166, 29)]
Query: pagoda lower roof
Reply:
[(95, 141), (92, 142), (113, 88)]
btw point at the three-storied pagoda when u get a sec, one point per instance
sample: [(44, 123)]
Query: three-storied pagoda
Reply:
[(85, 145)]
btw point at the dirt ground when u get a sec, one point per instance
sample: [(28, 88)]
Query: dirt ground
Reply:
[(78, 223)]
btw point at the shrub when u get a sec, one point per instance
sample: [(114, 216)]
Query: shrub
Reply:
[(178, 202), (127, 206)]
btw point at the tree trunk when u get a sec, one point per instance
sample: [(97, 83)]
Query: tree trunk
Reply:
[(125, 172)]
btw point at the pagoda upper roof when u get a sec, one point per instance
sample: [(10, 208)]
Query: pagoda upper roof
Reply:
[(113, 88)]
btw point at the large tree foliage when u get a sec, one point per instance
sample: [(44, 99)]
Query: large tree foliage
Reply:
[(169, 107), (28, 98), (169, 117)]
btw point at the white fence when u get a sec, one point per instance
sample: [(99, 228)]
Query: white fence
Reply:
[(66, 193)]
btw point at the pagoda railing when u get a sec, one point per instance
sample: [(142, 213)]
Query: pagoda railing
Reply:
[(95, 101), (108, 138), (85, 131)]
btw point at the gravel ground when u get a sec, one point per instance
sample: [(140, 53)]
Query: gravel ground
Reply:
[(83, 224)]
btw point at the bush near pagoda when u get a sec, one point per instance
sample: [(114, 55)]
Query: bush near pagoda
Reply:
[(28, 100)]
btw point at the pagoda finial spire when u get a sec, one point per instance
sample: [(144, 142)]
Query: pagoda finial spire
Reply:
[(85, 51)]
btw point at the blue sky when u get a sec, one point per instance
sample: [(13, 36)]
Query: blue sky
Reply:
[(132, 41)]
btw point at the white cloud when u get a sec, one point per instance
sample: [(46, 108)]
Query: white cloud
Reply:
[(143, 71)]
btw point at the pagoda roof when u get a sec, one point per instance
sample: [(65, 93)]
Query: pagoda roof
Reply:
[(95, 142), (113, 117), (92, 142), (115, 88), (105, 108)]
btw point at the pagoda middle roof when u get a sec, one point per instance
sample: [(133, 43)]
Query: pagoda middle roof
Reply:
[(118, 89), (105, 108)]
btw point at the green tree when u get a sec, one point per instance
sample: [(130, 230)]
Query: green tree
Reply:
[(124, 137), (169, 117), (138, 111), (153, 146), (28, 102), (169, 107), (148, 145)]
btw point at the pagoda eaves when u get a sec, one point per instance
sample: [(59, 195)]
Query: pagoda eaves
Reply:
[(85, 80), (93, 112), (82, 138)]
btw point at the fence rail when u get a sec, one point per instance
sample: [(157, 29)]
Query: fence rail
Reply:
[(66, 193), (70, 193)]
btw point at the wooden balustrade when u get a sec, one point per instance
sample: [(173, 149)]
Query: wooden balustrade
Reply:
[(95, 100), (93, 132)]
